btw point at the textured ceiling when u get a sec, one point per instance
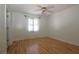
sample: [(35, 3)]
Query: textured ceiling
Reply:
[(33, 9)]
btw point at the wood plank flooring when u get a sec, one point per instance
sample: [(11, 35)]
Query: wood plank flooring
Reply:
[(42, 46)]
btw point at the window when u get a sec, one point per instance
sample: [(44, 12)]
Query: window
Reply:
[(33, 25)]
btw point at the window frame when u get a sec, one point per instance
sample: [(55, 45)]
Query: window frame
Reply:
[(33, 25)]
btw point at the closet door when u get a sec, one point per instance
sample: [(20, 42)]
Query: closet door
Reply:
[(3, 41)]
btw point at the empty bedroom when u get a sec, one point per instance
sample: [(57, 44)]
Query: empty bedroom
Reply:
[(42, 28)]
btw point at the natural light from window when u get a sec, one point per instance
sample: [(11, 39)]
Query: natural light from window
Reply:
[(33, 24)]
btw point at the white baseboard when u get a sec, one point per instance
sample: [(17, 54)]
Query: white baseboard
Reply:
[(63, 40)]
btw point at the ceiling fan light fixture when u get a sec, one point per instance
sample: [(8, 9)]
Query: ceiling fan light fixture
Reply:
[(43, 12), (45, 9)]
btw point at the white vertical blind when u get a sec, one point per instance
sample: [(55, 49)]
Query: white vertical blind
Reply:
[(33, 24), (36, 24), (30, 24)]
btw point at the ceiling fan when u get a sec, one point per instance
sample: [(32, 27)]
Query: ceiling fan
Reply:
[(45, 9)]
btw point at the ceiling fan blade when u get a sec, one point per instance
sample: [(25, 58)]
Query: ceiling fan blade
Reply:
[(37, 9), (50, 6), (39, 6), (50, 11)]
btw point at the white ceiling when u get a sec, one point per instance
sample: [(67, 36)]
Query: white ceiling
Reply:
[(32, 8)]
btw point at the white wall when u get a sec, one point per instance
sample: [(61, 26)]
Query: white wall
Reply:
[(65, 25), (3, 43), (62, 25), (18, 27)]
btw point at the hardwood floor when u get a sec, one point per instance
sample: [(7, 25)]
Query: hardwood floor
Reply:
[(42, 46)]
